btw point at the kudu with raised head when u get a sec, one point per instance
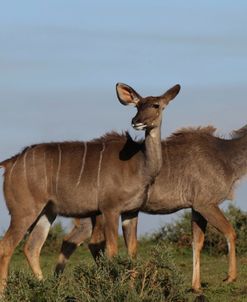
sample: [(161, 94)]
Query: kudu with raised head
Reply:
[(199, 171), (109, 175)]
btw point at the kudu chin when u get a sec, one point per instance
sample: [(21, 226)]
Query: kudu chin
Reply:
[(110, 175)]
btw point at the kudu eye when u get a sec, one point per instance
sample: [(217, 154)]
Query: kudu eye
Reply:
[(156, 106)]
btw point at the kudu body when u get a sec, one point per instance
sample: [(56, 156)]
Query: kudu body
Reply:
[(199, 171), (109, 175)]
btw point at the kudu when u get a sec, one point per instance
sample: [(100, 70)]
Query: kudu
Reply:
[(199, 171), (110, 175)]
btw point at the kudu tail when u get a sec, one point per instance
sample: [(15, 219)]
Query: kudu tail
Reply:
[(239, 132)]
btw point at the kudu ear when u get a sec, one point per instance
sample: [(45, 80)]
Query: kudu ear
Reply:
[(170, 94), (127, 95)]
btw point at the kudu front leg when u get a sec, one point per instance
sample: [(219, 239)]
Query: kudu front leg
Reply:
[(216, 218), (97, 242), (111, 221), (129, 227), (198, 224)]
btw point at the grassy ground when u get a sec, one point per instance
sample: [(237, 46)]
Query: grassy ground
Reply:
[(213, 270), (162, 271)]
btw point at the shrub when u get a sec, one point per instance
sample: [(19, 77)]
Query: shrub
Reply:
[(155, 278)]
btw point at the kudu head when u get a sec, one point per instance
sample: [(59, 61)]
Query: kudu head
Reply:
[(149, 109)]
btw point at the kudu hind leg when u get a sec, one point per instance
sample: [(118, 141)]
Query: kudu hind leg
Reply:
[(81, 231), (36, 241), (18, 227), (198, 224), (216, 218)]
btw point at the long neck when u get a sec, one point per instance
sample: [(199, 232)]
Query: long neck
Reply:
[(153, 153), (238, 156)]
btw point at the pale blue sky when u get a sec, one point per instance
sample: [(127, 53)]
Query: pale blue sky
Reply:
[(60, 61)]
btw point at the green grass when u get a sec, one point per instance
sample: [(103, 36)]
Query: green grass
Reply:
[(213, 271)]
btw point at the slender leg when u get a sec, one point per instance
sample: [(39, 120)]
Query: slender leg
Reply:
[(17, 229), (215, 217), (97, 242), (82, 231), (129, 226), (36, 240), (111, 221), (199, 224)]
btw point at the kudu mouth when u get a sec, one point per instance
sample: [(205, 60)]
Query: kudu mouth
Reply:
[(139, 126)]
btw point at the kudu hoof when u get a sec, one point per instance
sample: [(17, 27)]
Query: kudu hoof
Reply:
[(229, 279), (201, 298), (196, 290)]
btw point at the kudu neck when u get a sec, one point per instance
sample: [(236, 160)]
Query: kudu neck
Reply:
[(153, 152), (238, 156)]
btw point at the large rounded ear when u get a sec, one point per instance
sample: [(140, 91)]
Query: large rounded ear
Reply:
[(127, 95), (170, 94)]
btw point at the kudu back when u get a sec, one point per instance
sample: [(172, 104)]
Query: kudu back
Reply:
[(109, 175)]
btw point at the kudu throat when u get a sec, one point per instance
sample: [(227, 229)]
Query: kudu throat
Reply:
[(153, 153), (238, 157)]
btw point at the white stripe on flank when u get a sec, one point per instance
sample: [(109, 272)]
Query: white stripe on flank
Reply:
[(34, 156), (25, 164), (59, 166), (12, 168), (83, 164), (99, 168), (46, 179)]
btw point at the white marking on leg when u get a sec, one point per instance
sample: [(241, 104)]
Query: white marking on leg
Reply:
[(194, 264), (99, 169), (59, 166), (44, 222), (82, 164), (228, 245), (126, 222), (46, 179)]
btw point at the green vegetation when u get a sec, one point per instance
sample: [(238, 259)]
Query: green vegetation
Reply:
[(162, 271), (179, 233)]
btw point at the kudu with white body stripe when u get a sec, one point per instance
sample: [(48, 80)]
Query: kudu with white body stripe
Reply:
[(109, 175), (199, 171)]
